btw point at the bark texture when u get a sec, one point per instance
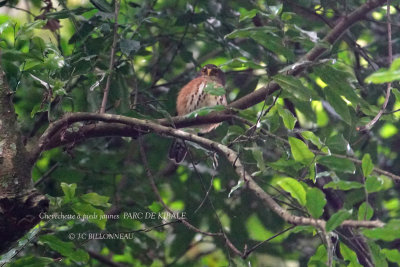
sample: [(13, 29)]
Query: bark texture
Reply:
[(20, 203)]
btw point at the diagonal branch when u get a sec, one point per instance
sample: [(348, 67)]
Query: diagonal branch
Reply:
[(147, 126), (370, 124), (112, 56), (254, 97)]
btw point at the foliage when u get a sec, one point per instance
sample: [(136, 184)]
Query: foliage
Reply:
[(305, 148)]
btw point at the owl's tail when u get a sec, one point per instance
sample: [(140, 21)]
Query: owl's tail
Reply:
[(177, 151)]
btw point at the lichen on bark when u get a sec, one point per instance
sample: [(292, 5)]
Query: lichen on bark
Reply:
[(20, 203)]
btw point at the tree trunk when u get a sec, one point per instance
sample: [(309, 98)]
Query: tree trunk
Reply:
[(20, 203)]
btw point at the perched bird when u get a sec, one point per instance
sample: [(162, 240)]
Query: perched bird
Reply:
[(193, 96)]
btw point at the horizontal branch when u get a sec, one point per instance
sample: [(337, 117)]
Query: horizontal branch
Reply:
[(252, 98), (145, 126), (123, 130)]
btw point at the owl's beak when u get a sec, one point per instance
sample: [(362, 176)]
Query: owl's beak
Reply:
[(209, 72)]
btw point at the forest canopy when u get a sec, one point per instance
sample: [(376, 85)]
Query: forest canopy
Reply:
[(303, 169)]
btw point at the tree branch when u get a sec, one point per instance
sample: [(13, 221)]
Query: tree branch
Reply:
[(370, 124), (147, 126), (254, 97), (112, 56)]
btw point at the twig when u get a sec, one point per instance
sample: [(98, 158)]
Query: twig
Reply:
[(157, 193), (184, 221), (47, 174), (329, 247), (371, 124), (112, 56), (247, 253), (391, 112), (21, 9), (207, 191)]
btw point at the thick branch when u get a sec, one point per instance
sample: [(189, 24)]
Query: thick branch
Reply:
[(260, 94), (254, 97), (147, 126), (64, 137)]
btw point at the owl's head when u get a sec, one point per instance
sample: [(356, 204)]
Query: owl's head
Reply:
[(213, 71)]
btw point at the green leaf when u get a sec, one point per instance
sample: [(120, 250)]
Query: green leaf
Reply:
[(336, 220), (82, 33), (395, 64), (288, 119), (310, 136), (294, 188), (338, 104), (265, 36), (390, 232), (337, 143), (300, 151), (337, 80), (396, 93), (233, 132), (96, 199), (367, 165), (30, 261), (319, 258), (383, 76), (378, 257), (67, 13), (204, 111), (315, 202), (69, 191), (214, 89), (373, 184), (258, 156), (39, 108), (337, 164), (249, 32), (274, 43), (288, 166), (312, 172), (240, 63), (392, 255), (247, 14), (27, 29), (349, 255), (293, 86), (90, 213), (14, 55), (66, 249), (128, 46), (256, 229), (5, 25), (102, 5), (156, 206), (365, 212), (343, 185)]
